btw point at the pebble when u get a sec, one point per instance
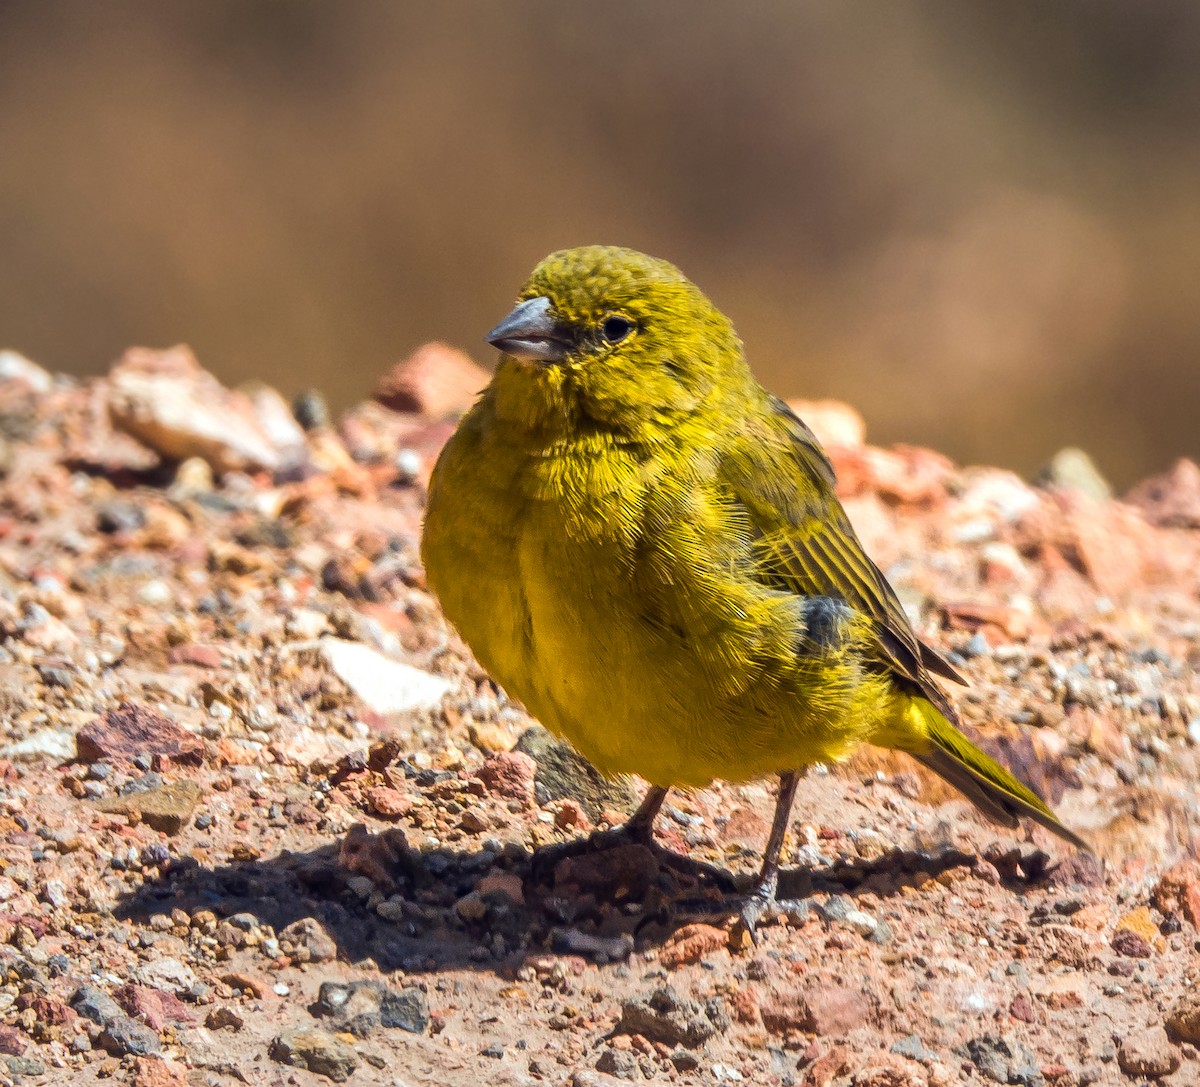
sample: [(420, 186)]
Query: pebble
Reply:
[(123, 1036), (385, 685), (315, 1050), (1004, 1060), (310, 939), (664, 1016), (1148, 1053), (95, 1004)]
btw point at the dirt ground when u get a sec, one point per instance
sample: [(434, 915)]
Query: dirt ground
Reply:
[(264, 821)]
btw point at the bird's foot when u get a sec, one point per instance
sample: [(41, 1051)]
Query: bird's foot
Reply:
[(748, 909)]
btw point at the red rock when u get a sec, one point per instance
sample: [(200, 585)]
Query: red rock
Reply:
[(158, 1072), (377, 856), (505, 883), (1114, 545), (1178, 893), (203, 656), (154, 1007), (1170, 500), (826, 1068), (123, 734), (819, 1006), (571, 816), (1022, 1009), (388, 802), (509, 775), (690, 944), (435, 380), (248, 983), (743, 1006), (52, 1012), (907, 475), (12, 1041)]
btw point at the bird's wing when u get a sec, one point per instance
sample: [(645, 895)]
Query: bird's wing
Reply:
[(783, 479)]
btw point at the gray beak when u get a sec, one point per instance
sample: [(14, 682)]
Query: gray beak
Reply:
[(531, 332)]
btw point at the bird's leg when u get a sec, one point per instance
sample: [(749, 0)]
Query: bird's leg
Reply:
[(761, 897), (640, 825), (638, 828)]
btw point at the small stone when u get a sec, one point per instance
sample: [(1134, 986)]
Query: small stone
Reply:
[(24, 1066), (495, 1051), (95, 1004), (224, 1018), (471, 907), (509, 775), (54, 744), (199, 656), (158, 1072), (665, 1017), (435, 380), (508, 884), (1148, 1053), (600, 949), (1183, 1022), (124, 1036), (132, 730), (310, 939), (168, 974), (316, 1050), (618, 1062), (821, 1006), (690, 944), (385, 685), (1178, 893), (1004, 1061), (168, 403), (166, 808), (12, 1041), (387, 802)]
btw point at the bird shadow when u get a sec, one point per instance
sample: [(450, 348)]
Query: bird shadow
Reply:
[(430, 910)]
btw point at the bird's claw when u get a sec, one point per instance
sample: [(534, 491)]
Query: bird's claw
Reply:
[(748, 910)]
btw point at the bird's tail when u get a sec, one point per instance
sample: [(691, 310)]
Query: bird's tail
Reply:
[(935, 743)]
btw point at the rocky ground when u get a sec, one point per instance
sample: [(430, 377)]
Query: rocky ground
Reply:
[(263, 820)]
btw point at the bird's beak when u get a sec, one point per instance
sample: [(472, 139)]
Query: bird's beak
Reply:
[(531, 332)]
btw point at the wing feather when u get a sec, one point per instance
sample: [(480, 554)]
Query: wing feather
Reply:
[(808, 546)]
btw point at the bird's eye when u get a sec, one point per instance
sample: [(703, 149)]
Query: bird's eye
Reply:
[(615, 329)]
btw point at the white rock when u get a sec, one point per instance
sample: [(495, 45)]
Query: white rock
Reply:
[(387, 686), (306, 624), (47, 743), (168, 974), (16, 367)]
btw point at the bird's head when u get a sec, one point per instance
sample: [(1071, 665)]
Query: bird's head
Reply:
[(615, 338)]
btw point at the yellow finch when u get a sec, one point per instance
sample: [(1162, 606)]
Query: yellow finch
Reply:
[(645, 547)]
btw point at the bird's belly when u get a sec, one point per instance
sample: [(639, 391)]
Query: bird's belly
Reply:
[(635, 698)]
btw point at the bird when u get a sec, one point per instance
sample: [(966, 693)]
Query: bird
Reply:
[(646, 547)]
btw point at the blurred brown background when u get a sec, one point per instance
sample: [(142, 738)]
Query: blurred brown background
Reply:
[(978, 223)]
